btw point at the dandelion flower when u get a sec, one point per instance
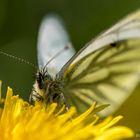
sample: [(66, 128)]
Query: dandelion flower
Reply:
[(21, 121)]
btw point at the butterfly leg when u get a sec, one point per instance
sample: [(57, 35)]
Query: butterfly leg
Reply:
[(67, 106), (62, 101)]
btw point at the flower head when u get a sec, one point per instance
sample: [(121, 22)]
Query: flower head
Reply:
[(21, 121)]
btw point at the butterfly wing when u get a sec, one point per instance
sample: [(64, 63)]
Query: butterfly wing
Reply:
[(107, 69), (51, 40)]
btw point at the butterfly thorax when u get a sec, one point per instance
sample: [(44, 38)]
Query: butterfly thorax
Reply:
[(47, 89)]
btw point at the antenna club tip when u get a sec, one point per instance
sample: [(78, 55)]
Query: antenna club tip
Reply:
[(69, 45)]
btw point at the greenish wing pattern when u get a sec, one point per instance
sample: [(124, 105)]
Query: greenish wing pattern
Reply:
[(107, 75), (125, 29)]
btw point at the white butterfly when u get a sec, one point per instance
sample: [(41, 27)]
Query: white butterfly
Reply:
[(106, 70)]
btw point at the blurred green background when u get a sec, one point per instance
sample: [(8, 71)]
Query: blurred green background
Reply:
[(19, 23)]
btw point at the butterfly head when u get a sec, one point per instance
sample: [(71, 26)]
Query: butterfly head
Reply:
[(41, 86), (47, 89), (43, 78)]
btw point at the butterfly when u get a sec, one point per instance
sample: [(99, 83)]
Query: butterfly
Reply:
[(105, 70)]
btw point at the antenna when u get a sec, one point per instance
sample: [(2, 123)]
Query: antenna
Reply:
[(18, 59), (58, 53)]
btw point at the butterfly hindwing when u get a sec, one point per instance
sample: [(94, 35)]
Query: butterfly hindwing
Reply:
[(107, 69)]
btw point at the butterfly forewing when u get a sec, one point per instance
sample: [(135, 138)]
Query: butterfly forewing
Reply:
[(107, 69), (127, 28), (52, 39)]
